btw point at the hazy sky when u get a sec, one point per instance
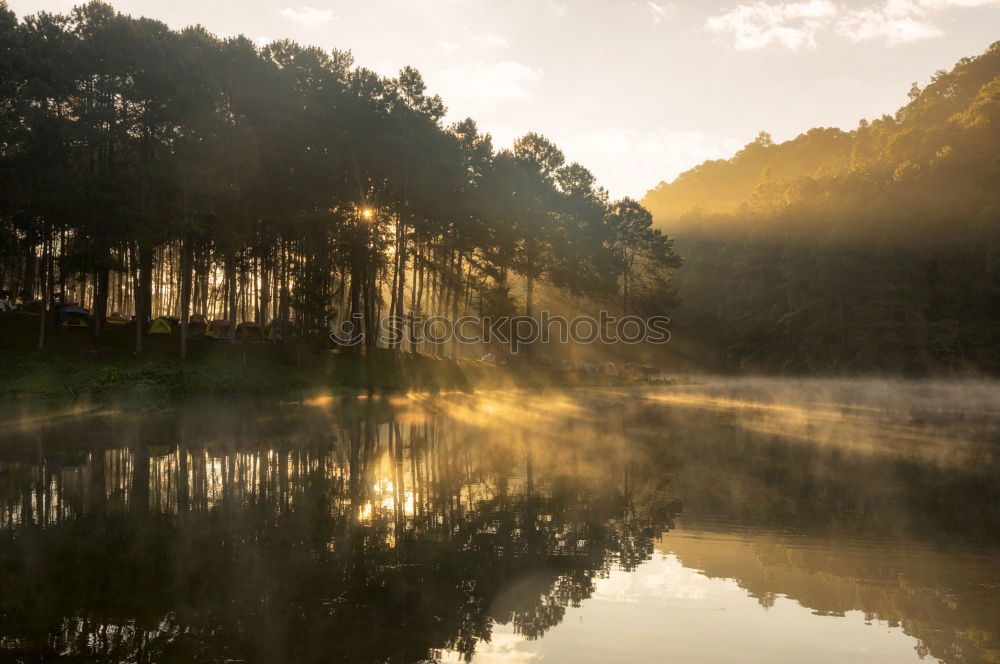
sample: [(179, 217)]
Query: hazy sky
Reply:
[(637, 90)]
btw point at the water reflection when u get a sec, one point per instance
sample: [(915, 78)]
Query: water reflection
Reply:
[(459, 527)]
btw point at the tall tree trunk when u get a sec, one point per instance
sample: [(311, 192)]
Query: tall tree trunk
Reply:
[(356, 287), (101, 283), (146, 282), (254, 291), (265, 289), (137, 289), (419, 306), (370, 315), (231, 296), (187, 260), (31, 271), (44, 274), (206, 269), (82, 283), (456, 295), (413, 296), (62, 275), (625, 307), (284, 297), (401, 285), (529, 299), (393, 290)]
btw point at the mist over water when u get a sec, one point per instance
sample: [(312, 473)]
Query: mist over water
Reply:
[(733, 520)]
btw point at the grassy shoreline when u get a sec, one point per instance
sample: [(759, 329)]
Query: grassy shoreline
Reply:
[(77, 365)]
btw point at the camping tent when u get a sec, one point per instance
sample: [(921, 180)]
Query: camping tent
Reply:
[(117, 320), (73, 316), (609, 369), (248, 331), (161, 325), (589, 370), (197, 325), (566, 365), (219, 329), (274, 331), (277, 330)]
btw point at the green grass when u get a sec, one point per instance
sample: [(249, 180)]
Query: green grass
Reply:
[(77, 365)]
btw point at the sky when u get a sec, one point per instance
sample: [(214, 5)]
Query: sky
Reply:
[(636, 90)]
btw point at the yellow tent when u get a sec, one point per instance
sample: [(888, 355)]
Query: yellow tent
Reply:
[(117, 320), (248, 331), (160, 326), (219, 329), (197, 325), (74, 320), (71, 315)]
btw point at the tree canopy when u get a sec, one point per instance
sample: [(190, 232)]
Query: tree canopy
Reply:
[(152, 171), (874, 249)]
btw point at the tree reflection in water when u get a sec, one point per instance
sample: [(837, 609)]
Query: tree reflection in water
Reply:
[(398, 530), (355, 533)]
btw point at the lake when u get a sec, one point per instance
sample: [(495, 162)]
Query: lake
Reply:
[(728, 521)]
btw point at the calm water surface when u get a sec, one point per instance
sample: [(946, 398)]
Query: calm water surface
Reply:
[(746, 521)]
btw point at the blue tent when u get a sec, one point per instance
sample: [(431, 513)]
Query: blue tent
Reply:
[(73, 316)]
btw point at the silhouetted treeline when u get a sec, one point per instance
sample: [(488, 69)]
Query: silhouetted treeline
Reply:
[(872, 249), (162, 172)]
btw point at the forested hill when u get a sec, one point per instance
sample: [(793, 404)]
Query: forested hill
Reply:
[(940, 131), (876, 249)]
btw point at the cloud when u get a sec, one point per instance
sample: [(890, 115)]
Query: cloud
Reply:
[(942, 4), (797, 24), (492, 41), (504, 647), (791, 24), (660, 579), (657, 10), (308, 16), (560, 9), (502, 81), (901, 21), (867, 24)]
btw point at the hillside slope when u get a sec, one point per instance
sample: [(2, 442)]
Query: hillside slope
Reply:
[(874, 250), (943, 122)]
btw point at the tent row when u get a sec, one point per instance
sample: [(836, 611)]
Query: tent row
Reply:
[(199, 326), (72, 316)]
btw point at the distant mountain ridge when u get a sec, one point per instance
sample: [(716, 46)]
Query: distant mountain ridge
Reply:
[(948, 114), (871, 250)]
